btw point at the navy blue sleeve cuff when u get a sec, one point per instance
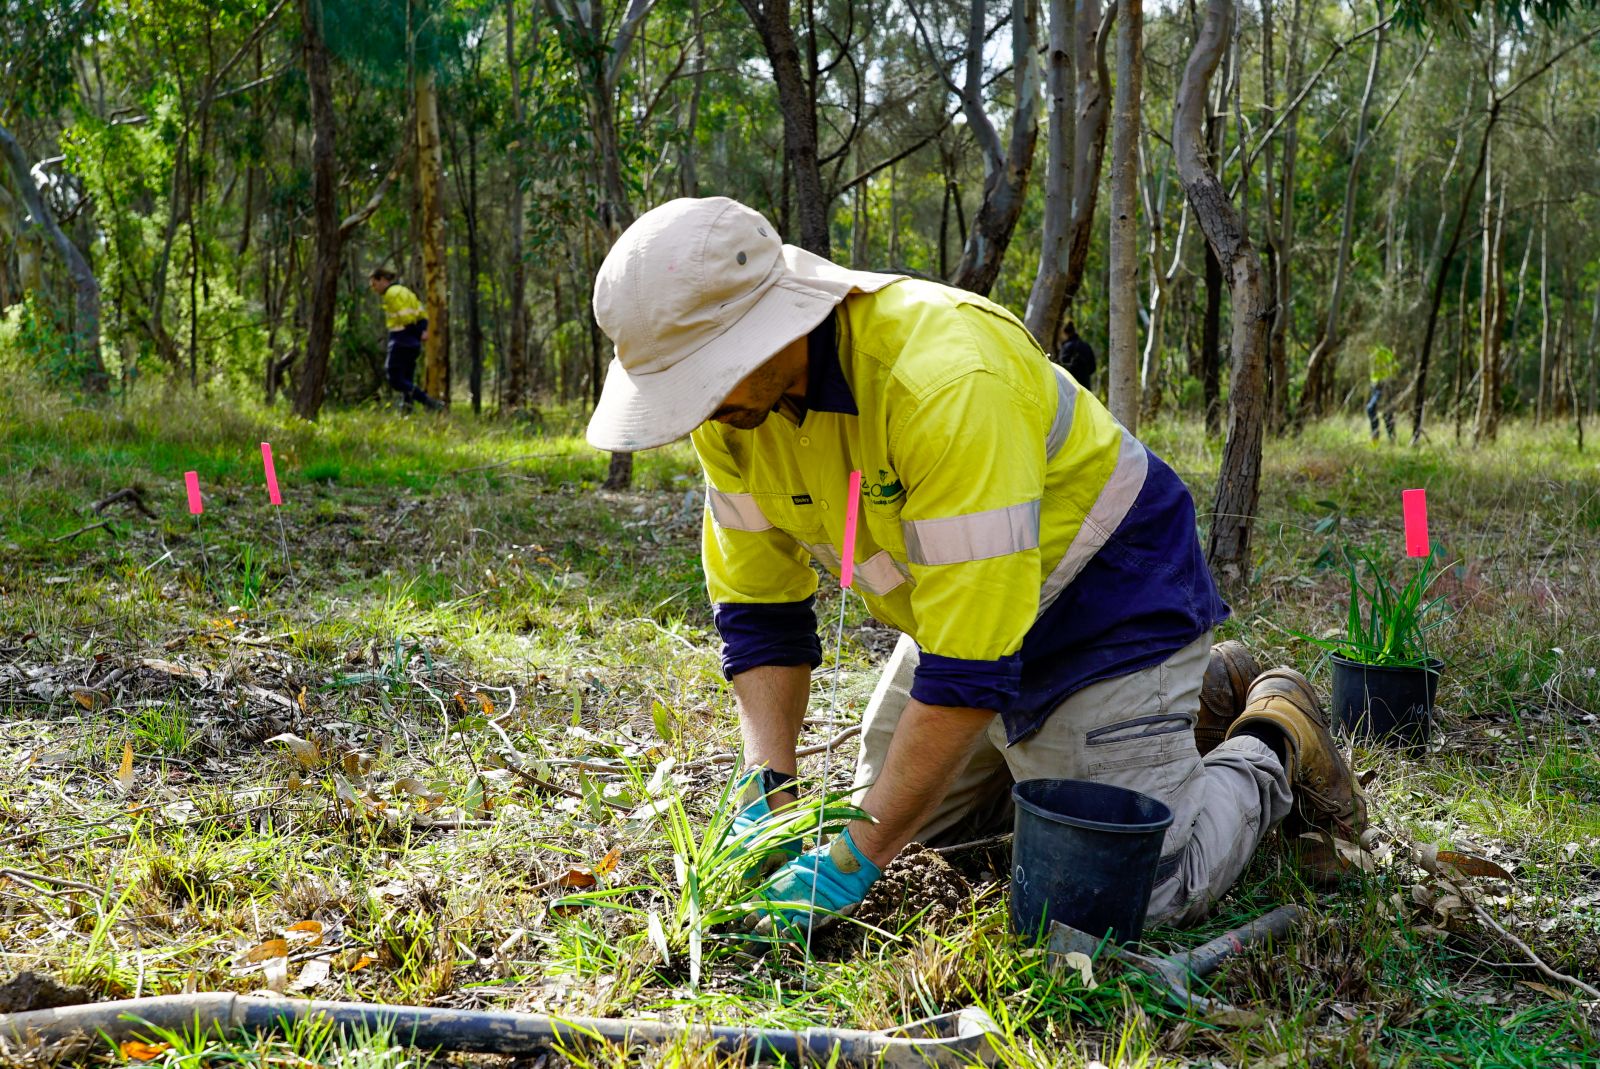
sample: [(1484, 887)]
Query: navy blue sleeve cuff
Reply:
[(758, 635), (971, 684)]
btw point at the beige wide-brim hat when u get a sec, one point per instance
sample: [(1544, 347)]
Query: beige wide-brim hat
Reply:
[(696, 295)]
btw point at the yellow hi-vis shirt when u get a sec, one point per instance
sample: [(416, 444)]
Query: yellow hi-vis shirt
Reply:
[(1384, 365), (991, 480), (401, 308)]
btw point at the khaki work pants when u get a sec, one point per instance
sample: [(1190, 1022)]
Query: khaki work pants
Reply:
[(1134, 731)]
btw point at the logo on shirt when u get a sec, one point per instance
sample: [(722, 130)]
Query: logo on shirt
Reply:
[(800, 499), (886, 490)]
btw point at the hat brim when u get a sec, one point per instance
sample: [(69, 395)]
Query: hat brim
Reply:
[(648, 410)]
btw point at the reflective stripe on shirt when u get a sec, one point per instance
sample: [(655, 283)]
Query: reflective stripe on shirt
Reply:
[(1061, 425), (737, 512), (1116, 498), (976, 536)]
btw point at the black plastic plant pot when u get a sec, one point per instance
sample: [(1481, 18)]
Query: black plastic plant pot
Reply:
[(1393, 705), (1084, 854)]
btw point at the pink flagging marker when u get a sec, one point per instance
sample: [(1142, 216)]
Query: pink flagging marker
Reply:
[(1414, 506), (191, 479), (272, 474), (852, 510)]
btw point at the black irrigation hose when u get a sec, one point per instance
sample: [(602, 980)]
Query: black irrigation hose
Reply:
[(952, 1039)]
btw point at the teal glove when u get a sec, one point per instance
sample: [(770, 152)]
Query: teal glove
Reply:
[(842, 876), (752, 819)]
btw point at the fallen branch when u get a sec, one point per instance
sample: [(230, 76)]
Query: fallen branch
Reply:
[(1533, 959), (975, 844), (85, 530), (606, 768), (807, 751), (1448, 868), (124, 836), (513, 460), (129, 494), (53, 881)]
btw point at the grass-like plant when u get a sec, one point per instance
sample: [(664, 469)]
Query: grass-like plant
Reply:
[(714, 887), (1387, 621)]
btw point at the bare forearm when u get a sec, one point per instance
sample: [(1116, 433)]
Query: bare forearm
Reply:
[(930, 747), (772, 705)]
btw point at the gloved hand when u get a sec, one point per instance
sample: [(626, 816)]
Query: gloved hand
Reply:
[(754, 817), (842, 875)]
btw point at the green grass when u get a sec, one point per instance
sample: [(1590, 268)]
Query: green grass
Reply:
[(452, 580)]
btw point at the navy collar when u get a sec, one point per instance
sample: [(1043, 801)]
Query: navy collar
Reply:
[(826, 387)]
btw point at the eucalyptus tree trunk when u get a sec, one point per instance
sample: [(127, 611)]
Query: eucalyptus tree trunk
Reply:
[(1155, 202), (1283, 229), (516, 361), (1006, 167), (1238, 481), (430, 196), (1324, 358), (85, 287), (10, 234), (1049, 293), (1088, 132), (1123, 348), (1493, 314), (601, 74), (688, 171), (797, 103), (1592, 353), (1545, 388), (328, 239)]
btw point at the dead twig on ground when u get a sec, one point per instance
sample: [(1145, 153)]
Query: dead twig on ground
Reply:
[(975, 844), (124, 836), (103, 524), (729, 758), (132, 495), (1512, 940), (51, 881), (513, 460)]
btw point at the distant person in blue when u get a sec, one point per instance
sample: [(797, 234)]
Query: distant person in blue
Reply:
[(1076, 356), (1384, 366), (408, 328)]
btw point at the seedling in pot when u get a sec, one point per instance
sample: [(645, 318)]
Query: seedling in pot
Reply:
[(1387, 623)]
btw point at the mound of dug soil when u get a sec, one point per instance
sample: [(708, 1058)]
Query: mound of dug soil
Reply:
[(918, 885), (31, 991)]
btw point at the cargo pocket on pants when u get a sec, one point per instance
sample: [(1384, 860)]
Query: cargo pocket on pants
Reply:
[(1154, 755)]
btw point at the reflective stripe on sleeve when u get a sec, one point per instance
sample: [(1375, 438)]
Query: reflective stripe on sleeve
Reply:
[(736, 512), (825, 554), (1066, 402), (1116, 498), (975, 536)]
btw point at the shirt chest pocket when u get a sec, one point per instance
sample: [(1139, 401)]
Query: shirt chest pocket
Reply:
[(796, 513), (881, 558)]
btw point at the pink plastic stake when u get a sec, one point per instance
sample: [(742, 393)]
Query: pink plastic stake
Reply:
[(191, 480), (272, 474), (1414, 505), (852, 509), (276, 498)]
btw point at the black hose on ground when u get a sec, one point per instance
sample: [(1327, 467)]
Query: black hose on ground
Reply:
[(953, 1039)]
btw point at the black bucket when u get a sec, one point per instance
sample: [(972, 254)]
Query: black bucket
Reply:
[(1392, 705), (1084, 854)]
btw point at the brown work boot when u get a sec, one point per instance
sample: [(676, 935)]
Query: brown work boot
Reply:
[(1326, 795), (1233, 667)]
